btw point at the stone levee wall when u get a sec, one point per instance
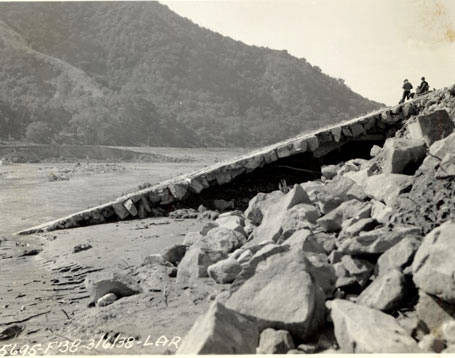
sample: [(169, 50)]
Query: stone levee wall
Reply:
[(150, 201)]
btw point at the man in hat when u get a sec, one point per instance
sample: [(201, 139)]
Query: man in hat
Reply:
[(423, 87), (407, 87)]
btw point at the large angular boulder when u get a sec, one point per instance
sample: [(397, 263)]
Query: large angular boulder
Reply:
[(376, 241), (438, 151), (222, 239), (433, 311), (274, 341), (281, 292), (224, 271), (402, 156), (275, 213), (387, 187), (220, 331), (360, 329), (337, 191), (399, 255), (385, 293), (431, 127), (298, 217), (231, 221), (333, 221), (257, 205), (434, 263), (195, 263), (312, 188), (306, 241)]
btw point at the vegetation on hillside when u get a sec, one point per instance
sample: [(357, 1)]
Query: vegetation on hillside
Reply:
[(135, 73)]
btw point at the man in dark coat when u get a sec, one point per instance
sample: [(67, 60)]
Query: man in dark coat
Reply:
[(407, 87), (423, 87)]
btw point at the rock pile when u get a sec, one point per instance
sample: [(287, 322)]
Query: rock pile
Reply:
[(359, 261)]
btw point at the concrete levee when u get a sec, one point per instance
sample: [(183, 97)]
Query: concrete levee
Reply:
[(376, 126)]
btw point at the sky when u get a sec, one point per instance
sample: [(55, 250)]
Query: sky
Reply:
[(372, 44)]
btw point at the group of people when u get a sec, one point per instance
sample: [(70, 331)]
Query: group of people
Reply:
[(407, 87)]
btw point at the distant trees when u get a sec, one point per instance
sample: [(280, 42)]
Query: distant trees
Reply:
[(39, 132), (151, 77)]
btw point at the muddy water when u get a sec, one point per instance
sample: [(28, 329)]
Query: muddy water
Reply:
[(28, 198)]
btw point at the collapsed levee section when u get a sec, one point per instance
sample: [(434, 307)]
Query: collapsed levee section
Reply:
[(296, 160)]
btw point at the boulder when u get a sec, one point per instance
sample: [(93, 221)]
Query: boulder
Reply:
[(233, 222), (274, 341), (402, 156), (433, 311), (222, 239), (299, 217), (385, 293), (431, 127), (360, 329), (281, 292), (195, 263), (275, 213), (101, 283), (312, 188), (434, 263), (174, 254), (333, 221), (339, 190), (399, 255), (220, 331), (305, 241), (257, 205), (224, 271), (387, 187), (376, 241)]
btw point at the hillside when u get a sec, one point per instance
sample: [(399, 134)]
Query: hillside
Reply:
[(85, 72)]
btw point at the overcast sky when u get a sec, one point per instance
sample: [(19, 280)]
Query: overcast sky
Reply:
[(372, 44)]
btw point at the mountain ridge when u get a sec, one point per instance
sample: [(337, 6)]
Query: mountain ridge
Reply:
[(168, 80)]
